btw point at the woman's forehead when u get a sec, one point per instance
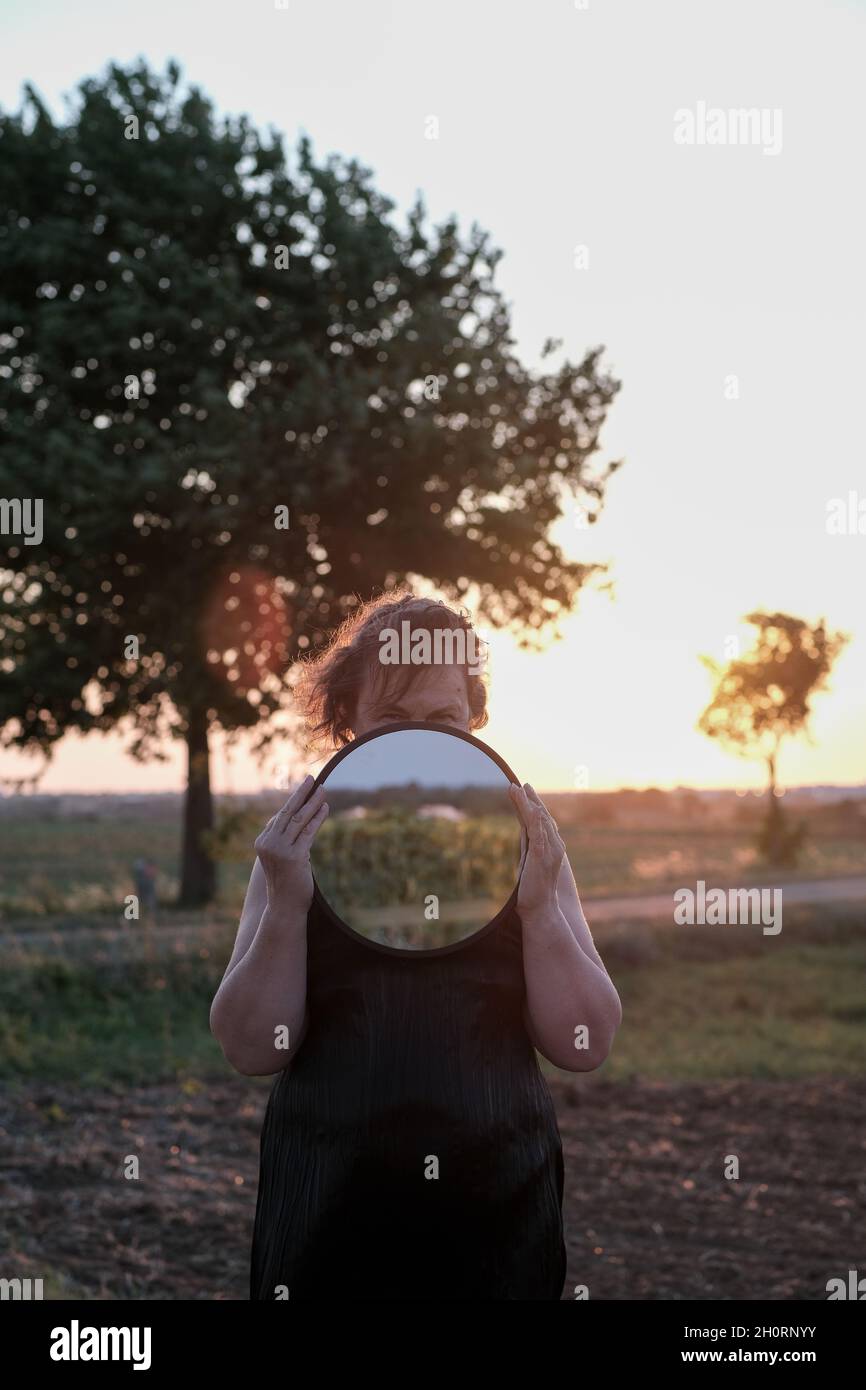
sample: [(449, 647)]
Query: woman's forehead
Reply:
[(442, 682)]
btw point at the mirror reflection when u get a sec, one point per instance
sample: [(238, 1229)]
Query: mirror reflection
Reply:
[(421, 849)]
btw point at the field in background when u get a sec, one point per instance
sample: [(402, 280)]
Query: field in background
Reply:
[(86, 994), (732, 1042), (78, 867)]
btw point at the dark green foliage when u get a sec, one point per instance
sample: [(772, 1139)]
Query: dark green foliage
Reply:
[(391, 857), (154, 265)]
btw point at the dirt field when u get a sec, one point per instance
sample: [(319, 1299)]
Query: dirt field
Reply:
[(648, 1210)]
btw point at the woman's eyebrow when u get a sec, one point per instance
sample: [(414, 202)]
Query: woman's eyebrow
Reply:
[(395, 704), (399, 709)]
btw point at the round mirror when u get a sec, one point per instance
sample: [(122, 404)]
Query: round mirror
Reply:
[(422, 847)]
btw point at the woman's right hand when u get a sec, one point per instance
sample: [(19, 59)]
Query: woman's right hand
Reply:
[(284, 848)]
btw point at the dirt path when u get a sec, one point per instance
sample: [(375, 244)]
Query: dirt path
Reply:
[(649, 1212), (825, 890)]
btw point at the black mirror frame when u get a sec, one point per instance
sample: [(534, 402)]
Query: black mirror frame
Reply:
[(400, 952)]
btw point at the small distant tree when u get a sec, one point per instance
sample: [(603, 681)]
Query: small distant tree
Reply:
[(764, 697)]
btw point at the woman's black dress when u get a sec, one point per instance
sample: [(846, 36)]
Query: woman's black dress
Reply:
[(410, 1149)]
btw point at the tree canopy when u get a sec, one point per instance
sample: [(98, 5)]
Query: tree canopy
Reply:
[(246, 394), (766, 695)]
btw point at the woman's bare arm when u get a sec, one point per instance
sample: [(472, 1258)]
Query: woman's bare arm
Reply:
[(572, 1010), (572, 910), (255, 902), (259, 1013)]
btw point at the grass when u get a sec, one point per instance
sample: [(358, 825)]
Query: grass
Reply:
[(699, 1003), (702, 1003), (793, 1014), (77, 1019)]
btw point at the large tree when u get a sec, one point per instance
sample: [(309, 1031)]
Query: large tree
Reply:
[(245, 394)]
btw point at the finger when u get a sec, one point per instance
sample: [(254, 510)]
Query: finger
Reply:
[(540, 829), (295, 824), (292, 825), (538, 824), (555, 846), (536, 799), (548, 833), (308, 834), (269, 828), (518, 797), (536, 821), (296, 800), (528, 811), (535, 848)]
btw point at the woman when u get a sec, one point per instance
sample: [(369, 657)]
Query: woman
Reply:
[(410, 1146)]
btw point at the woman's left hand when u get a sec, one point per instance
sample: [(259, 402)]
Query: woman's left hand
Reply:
[(536, 894)]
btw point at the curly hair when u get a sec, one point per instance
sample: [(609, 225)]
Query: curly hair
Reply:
[(327, 685)]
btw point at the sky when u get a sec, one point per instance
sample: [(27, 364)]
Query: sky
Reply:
[(725, 280), (424, 756)]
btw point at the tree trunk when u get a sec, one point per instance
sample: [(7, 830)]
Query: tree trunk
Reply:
[(774, 820), (771, 774), (198, 879)]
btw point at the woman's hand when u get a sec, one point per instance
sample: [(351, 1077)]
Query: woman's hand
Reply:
[(284, 848), (536, 894)]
